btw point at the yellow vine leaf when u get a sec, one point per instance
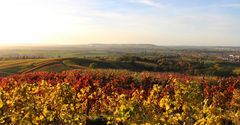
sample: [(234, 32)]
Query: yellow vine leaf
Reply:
[(1, 103)]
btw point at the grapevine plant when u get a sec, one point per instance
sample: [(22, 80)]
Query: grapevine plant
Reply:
[(118, 97)]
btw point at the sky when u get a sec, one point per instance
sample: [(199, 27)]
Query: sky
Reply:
[(160, 22)]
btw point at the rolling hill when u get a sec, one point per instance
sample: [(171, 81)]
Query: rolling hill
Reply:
[(57, 65)]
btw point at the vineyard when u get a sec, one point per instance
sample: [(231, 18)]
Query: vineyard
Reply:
[(120, 97)]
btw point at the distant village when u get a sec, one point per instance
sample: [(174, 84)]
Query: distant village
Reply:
[(232, 58)]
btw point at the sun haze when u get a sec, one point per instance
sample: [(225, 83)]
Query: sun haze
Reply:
[(161, 22)]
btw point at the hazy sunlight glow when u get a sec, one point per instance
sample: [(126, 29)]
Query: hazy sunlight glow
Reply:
[(29, 22)]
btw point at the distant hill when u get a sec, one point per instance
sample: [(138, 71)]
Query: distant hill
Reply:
[(123, 45)]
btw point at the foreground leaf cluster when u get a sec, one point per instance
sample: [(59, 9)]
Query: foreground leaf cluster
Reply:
[(118, 97)]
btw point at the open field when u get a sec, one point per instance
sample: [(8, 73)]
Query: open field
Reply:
[(186, 65)]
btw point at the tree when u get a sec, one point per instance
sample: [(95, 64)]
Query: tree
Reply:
[(93, 65)]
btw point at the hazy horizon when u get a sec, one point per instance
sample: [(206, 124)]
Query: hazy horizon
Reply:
[(158, 22), (89, 44)]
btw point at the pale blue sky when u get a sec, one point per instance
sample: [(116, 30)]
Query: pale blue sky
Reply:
[(162, 22)]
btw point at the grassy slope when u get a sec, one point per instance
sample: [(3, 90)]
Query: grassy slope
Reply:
[(21, 66), (58, 65)]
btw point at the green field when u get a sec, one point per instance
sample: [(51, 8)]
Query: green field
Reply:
[(187, 60), (57, 65), (19, 66)]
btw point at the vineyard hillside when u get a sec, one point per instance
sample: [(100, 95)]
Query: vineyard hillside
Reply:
[(118, 97)]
